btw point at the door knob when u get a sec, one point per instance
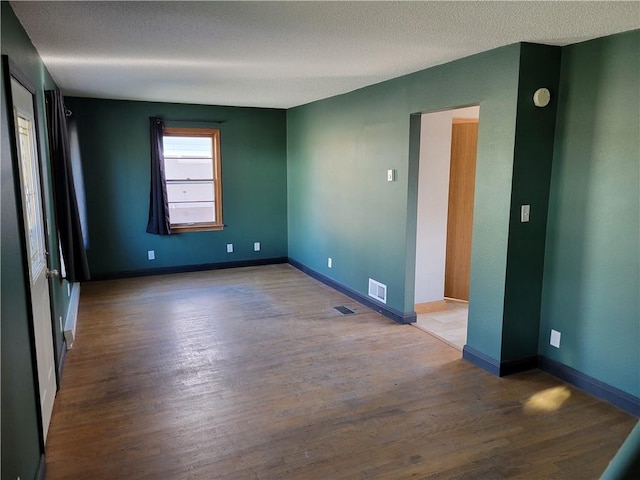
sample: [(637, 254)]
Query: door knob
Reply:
[(52, 273)]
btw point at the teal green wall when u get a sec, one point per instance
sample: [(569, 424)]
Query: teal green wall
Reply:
[(591, 279), (114, 144), (533, 155), (20, 444), (625, 465), (340, 204)]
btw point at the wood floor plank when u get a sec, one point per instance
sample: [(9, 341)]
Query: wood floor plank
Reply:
[(252, 374)]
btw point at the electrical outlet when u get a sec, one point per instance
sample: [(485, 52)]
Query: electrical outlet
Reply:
[(330, 262), (256, 246), (391, 175), (554, 341), (525, 212), (229, 247), (151, 254)]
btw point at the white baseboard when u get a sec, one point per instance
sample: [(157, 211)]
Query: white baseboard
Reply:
[(70, 322)]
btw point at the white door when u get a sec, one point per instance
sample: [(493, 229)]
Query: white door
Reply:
[(36, 249)]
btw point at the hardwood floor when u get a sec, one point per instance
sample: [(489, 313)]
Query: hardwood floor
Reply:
[(251, 374)]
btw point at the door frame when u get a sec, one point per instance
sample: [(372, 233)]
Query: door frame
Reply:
[(10, 71), (415, 133)]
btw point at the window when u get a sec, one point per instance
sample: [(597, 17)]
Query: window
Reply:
[(193, 178)]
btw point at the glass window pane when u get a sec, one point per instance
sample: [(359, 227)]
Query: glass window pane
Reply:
[(188, 169), (190, 192), (198, 147), (191, 212), (31, 195)]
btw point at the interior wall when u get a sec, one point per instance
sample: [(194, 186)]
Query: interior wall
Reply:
[(533, 157), (433, 200), (340, 204), (20, 429), (592, 262), (114, 144)]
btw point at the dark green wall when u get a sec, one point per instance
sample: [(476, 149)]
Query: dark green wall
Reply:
[(592, 264), (114, 143), (533, 155), (20, 441), (341, 205), (20, 447)]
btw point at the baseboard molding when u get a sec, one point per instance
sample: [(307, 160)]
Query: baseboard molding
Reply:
[(509, 367), (392, 313), (70, 322), (63, 358), (187, 268), (429, 307), (590, 385), (41, 473), (595, 387), (479, 359)]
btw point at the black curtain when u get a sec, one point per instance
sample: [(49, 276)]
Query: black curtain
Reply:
[(158, 202), (64, 192)]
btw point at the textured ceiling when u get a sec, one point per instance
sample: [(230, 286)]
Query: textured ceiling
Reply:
[(282, 54)]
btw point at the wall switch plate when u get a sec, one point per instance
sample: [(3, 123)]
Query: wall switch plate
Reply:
[(256, 246), (554, 341), (229, 247), (61, 326), (525, 210), (391, 175), (151, 254), (68, 289), (329, 262)]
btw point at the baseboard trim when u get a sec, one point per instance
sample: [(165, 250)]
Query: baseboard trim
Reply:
[(588, 384), (479, 359), (428, 307), (392, 313), (41, 473), (510, 367), (70, 322), (593, 386), (63, 358), (187, 268)]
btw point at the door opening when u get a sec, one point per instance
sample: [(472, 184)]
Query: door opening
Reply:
[(448, 146)]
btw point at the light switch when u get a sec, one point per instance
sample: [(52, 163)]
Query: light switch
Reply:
[(524, 213), (391, 175)]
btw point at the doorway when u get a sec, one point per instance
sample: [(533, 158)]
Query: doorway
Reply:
[(448, 146), (36, 248)]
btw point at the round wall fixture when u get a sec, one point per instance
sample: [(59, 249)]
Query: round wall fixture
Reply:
[(542, 97)]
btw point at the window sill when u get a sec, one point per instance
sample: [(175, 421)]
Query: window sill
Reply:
[(200, 227)]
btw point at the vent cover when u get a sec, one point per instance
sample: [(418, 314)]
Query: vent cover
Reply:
[(344, 310), (378, 290)]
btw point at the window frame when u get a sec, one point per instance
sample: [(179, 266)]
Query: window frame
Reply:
[(214, 135)]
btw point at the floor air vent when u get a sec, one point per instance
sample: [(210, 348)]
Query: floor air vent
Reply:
[(378, 290), (344, 310)]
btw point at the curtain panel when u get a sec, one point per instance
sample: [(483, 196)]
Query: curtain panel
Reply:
[(158, 201), (64, 192)]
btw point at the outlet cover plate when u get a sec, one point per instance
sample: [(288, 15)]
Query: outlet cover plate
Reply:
[(229, 247), (554, 341), (151, 254)]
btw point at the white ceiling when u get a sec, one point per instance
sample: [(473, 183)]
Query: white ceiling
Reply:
[(283, 54)]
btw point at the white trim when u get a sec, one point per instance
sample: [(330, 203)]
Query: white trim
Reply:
[(72, 315)]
